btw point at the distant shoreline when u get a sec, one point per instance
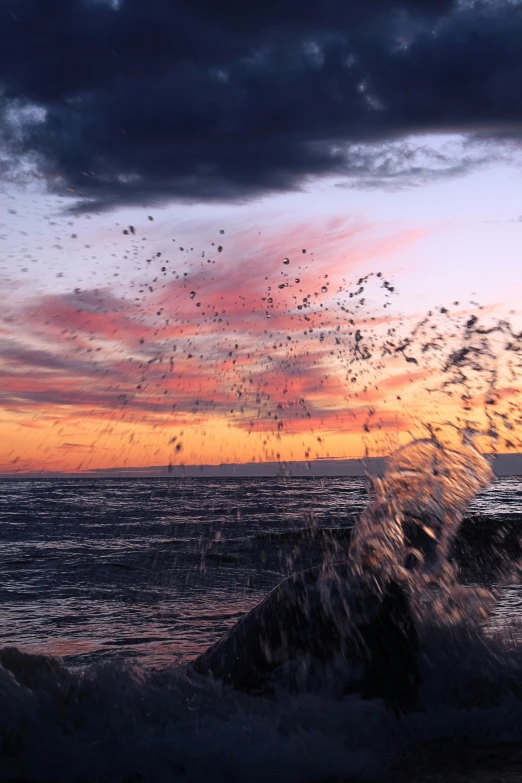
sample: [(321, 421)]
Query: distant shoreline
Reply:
[(503, 465)]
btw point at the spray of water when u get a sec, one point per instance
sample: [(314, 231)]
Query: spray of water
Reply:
[(409, 527), (121, 723), (102, 723)]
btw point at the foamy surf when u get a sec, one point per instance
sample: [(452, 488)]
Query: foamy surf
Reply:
[(120, 722)]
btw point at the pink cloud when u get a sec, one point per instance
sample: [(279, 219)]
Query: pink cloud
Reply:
[(249, 347)]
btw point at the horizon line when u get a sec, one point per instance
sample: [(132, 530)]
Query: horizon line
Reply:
[(504, 464)]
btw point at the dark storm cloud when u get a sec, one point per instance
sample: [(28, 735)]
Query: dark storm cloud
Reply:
[(136, 102)]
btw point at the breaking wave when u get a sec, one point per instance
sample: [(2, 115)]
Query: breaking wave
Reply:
[(119, 722)]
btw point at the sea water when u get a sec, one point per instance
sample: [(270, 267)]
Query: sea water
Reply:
[(155, 569), (110, 586)]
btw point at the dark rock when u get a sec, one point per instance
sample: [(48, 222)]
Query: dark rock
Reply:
[(485, 549), (315, 620)]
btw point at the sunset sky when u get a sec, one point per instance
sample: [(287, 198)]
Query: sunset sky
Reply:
[(219, 221)]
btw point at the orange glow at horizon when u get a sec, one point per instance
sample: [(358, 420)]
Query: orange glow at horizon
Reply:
[(267, 351)]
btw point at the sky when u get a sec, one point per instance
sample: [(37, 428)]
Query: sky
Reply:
[(239, 232)]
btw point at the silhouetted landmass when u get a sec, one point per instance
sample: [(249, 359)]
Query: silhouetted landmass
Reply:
[(503, 465)]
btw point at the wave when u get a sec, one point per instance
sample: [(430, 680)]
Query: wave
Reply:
[(118, 722)]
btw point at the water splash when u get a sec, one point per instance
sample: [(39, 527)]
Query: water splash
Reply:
[(119, 722), (405, 535), (419, 504)]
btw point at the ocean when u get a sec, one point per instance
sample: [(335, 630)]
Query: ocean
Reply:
[(153, 570), (120, 582)]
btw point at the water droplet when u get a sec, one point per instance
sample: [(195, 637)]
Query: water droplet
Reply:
[(286, 261), (297, 280), (192, 294), (324, 289)]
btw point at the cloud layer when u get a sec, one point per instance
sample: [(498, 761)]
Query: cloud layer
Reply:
[(244, 354), (133, 102), (255, 348)]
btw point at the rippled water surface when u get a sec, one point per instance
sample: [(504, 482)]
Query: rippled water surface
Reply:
[(155, 569)]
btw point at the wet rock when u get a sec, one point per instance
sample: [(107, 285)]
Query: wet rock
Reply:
[(485, 548)]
